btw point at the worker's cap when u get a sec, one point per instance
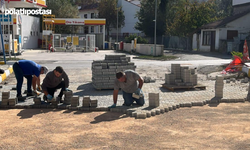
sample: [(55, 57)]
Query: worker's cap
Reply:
[(45, 69)]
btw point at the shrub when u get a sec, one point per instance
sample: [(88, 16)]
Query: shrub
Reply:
[(140, 40), (237, 54)]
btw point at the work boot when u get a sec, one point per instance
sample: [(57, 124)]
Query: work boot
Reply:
[(30, 94), (20, 98)]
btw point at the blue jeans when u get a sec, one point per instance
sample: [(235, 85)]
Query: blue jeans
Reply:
[(128, 99), (19, 77)]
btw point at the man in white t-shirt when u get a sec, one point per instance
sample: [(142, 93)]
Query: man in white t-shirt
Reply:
[(130, 82)]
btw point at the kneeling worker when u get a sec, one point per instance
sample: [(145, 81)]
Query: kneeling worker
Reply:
[(127, 81), (54, 80)]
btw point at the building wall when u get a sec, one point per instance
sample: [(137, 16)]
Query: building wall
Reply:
[(130, 20), (30, 32), (88, 13), (206, 48), (238, 2)]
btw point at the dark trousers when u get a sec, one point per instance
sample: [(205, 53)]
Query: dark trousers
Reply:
[(51, 91), (128, 99), (19, 77)]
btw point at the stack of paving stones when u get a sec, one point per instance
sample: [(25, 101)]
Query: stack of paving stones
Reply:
[(104, 71), (67, 97), (86, 101), (75, 101), (37, 100), (5, 98), (93, 103), (219, 84), (55, 102), (12, 101), (181, 76), (153, 99)]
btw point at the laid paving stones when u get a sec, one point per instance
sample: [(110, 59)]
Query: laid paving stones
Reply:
[(37, 100)]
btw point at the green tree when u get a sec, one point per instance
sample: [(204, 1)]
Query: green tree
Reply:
[(63, 9), (146, 17), (190, 16), (223, 8), (108, 10)]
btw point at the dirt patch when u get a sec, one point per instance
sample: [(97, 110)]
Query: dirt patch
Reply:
[(226, 126)]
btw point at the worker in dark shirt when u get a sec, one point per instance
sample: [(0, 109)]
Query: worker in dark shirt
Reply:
[(54, 80), (31, 71)]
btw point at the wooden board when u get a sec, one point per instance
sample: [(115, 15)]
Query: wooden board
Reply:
[(174, 87)]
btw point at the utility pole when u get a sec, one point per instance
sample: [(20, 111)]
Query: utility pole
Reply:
[(117, 28), (155, 26)]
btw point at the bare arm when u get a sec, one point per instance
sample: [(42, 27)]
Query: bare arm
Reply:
[(140, 82), (34, 80), (38, 81), (115, 95)]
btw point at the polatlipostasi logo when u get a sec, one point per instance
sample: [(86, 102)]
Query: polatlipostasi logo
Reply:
[(23, 11)]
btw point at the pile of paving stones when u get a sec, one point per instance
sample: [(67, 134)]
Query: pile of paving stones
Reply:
[(181, 76), (104, 71)]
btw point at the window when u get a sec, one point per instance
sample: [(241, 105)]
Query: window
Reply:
[(31, 33), (231, 34), (206, 38), (101, 28), (86, 30), (85, 15), (81, 30), (92, 15), (92, 29)]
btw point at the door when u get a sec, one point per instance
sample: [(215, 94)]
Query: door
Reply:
[(212, 46)]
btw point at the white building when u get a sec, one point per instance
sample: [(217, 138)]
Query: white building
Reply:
[(225, 35), (21, 28), (130, 7)]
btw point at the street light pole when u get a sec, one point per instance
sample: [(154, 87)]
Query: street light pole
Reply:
[(155, 25), (117, 29)]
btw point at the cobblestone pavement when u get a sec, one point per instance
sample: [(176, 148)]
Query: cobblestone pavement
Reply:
[(80, 83)]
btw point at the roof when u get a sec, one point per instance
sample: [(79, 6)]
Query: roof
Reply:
[(135, 2), (90, 6), (225, 21)]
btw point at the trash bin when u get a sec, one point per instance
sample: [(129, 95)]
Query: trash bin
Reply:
[(106, 45), (121, 45)]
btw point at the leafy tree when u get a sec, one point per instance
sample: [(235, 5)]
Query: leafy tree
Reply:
[(191, 16), (223, 8), (63, 9), (108, 10)]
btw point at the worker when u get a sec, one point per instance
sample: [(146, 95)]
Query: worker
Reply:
[(31, 71), (54, 80), (128, 82)]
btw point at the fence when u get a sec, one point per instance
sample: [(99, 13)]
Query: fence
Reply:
[(68, 42)]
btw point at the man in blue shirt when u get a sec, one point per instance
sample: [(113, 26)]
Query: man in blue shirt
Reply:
[(31, 71)]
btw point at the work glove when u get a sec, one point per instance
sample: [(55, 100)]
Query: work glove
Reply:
[(67, 89), (112, 106), (49, 97), (138, 91), (35, 93)]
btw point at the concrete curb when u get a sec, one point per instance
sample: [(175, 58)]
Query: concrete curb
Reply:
[(6, 74)]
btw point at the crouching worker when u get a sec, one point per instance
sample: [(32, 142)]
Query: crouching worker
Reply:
[(54, 80), (27, 69), (128, 82)]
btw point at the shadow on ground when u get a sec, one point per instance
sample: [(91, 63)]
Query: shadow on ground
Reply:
[(108, 116)]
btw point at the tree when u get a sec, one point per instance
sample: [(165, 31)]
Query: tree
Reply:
[(223, 8), (146, 17), (108, 10), (63, 9), (191, 16)]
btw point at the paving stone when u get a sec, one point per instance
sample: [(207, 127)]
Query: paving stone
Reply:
[(141, 116)]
